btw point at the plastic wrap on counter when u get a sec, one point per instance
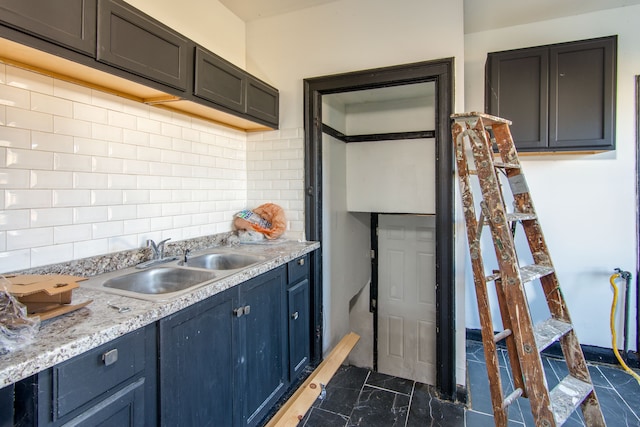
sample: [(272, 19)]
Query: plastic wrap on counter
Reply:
[(17, 329)]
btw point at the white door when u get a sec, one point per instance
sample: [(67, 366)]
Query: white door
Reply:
[(406, 297)]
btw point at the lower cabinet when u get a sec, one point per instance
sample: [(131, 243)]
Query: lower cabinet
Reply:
[(298, 316), (113, 384), (222, 360)]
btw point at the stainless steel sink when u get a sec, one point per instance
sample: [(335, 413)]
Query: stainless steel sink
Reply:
[(159, 280), (222, 261)]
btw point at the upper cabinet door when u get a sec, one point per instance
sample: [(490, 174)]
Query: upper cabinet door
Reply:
[(583, 87), (517, 90), (219, 81), (70, 23), (262, 101), (135, 42)]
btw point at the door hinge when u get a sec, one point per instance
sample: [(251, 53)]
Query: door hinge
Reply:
[(373, 254), (373, 304)]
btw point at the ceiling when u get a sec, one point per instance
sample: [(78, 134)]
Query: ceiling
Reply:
[(479, 15)]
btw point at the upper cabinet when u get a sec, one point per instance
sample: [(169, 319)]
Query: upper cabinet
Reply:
[(70, 23), (131, 40), (560, 97), (111, 45)]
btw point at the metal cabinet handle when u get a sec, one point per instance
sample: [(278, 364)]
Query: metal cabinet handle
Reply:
[(301, 261), (238, 312), (294, 316), (110, 357), (247, 309)]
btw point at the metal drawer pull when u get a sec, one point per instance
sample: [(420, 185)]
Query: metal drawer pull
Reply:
[(294, 316), (301, 261), (247, 309), (238, 312), (110, 357)]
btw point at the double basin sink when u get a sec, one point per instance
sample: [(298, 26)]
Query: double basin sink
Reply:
[(176, 277)]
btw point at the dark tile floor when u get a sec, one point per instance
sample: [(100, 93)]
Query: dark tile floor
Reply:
[(358, 397)]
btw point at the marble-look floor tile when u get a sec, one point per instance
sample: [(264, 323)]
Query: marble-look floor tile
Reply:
[(427, 410), (380, 408), (317, 417), (387, 382)]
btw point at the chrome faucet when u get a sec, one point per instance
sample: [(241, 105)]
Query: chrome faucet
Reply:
[(157, 249)]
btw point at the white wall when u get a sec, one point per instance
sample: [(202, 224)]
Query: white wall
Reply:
[(585, 202), (207, 22)]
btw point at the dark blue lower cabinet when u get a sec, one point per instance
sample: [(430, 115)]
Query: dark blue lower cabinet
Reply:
[(222, 360), (112, 385), (299, 327)]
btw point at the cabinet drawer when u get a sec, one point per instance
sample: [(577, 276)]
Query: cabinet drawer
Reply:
[(297, 269), (87, 376)]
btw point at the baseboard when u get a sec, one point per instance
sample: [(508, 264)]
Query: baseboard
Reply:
[(591, 353)]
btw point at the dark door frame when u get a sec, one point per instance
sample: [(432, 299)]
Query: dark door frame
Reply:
[(441, 72)]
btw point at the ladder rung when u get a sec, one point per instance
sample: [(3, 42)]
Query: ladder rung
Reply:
[(567, 396), (530, 273), (520, 216), (550, 331), (501, 335), (487, 119), (506, 165), (511, 398)]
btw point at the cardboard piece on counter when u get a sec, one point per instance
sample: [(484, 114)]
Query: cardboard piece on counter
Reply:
[(45, 295), (43, 288)]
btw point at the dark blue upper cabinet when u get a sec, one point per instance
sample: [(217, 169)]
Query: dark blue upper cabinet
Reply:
[(560, 97), (133, 41), (70, 23)]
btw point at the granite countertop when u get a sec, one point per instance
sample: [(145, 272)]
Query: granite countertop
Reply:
[(69, 335)]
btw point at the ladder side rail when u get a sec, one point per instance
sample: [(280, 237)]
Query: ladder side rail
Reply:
[(571, 349), (521, 321), (482, 296)]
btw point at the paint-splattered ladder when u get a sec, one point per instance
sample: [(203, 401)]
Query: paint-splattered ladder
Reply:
[(474, 136)]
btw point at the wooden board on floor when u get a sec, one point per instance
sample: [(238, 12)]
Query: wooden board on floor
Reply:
[(297, 406)]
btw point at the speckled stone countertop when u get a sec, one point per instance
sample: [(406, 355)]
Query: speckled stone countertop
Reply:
[(69, 335)]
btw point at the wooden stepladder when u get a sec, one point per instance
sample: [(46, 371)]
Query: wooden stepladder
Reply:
[(474, 136)]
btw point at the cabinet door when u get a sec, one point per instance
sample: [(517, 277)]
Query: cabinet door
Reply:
[(262, 101), (263, 336), (6, 403), (197, 364), (517, 89), (71, 23), (582, 87), (220, 82), (299, 335), (133, 41)]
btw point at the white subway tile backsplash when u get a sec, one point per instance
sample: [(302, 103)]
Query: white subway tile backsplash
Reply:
[(123, 243), (107, 165), (15, 260), (136, 167), (25, 119), (16, 138), (27, 199), (135, 137), (73, 92), (148, 154), (51, 105), (71, 233), (90, 147), (85, 215), (70, 126), (132, 197), (3, 241), (28, 159), (160, 223), (29, 80), (71, 162), (106, 229), (51, 179), (90, 180), (15, 97), (150, 210), (106, 197), (122, 212), (50, 217), (71, 198), (15, 219), (107, 100), (121, 120), (44, 141), (137, 226), (89, 113), (14, 178), (29, 238), (90, 248), (148, 125), (121, 181), (51, 254), (106, 132)]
